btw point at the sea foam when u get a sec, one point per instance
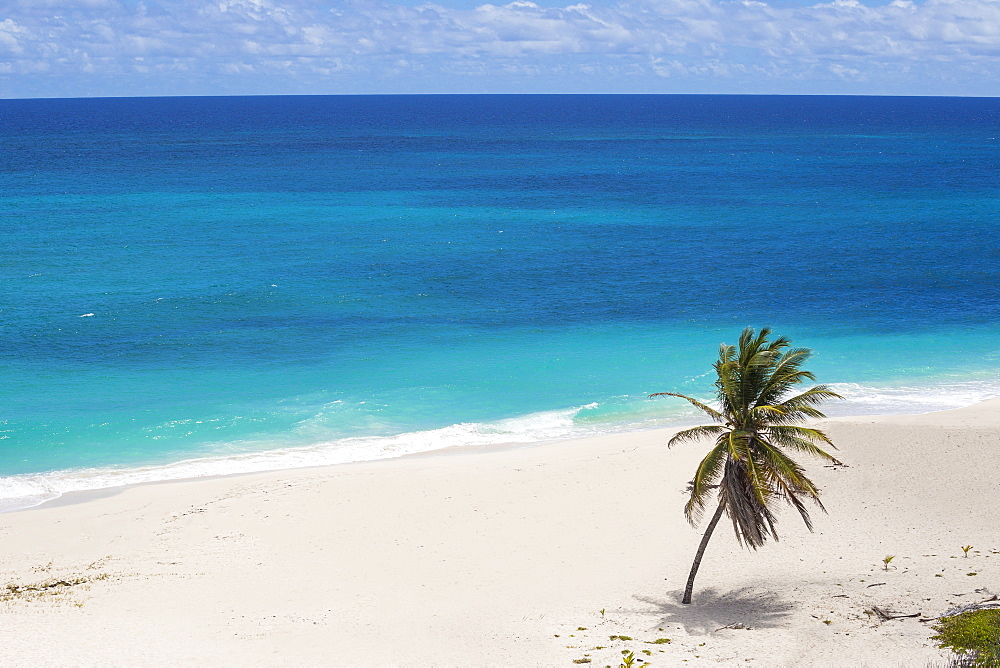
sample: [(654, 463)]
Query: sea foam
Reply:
[(616, 416), (28, 490)]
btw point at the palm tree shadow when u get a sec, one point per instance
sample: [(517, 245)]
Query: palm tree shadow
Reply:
[(713, 610)]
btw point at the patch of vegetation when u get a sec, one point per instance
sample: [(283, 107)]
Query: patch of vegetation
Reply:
[(973, 635), (620, 637), (628, 659), (50, 587), (659, 641), (583, 660)]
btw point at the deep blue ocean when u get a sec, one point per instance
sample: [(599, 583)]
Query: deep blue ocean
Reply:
[(195, 286)]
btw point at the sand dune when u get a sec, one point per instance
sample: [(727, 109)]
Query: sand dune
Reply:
[(508, 558)]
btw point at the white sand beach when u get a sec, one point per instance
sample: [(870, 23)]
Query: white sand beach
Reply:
[(531, 556)]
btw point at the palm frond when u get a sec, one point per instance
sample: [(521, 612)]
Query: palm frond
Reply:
[(801, 414), (780, 431), (791, 482), (792, 498), (785, 375), (704, 478), (767, 412), (735, 441), (801, 439), (714, 414), (781, 467), (753, 521), (695, 433), (812, 397)]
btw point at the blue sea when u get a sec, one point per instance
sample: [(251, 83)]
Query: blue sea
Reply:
[(199, 286)]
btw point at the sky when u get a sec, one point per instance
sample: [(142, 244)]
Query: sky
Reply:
[(95, 48)]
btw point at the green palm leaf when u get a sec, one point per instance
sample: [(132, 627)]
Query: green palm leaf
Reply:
[(704, 481), (695, 433), (716, 415)]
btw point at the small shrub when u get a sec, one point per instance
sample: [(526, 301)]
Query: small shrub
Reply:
[(973, 635)]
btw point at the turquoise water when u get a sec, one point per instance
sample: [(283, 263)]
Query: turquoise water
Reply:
[(212, 285)]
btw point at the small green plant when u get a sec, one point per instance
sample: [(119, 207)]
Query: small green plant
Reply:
[(628, 660), (620, 637), (973, 635), (602, 612), (827, 622), (581, 628), (970, 574), (659, 641), (965, 549), (886, 560), (583, 660)]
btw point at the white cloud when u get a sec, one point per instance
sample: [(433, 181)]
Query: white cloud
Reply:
[(745, 40)]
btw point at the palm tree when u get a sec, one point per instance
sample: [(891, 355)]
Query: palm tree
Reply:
[(757, 423)]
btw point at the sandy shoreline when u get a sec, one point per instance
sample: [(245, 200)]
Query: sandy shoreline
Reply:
[(506, 558)]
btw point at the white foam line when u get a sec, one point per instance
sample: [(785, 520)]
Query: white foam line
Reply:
[(910, 399), (28, 490)]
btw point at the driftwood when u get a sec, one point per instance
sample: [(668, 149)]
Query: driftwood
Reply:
[(886, 616)]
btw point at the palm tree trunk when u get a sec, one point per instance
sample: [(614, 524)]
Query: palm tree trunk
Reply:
[(701, 552)]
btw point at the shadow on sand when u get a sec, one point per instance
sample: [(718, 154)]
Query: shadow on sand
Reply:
[(713, 610)]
